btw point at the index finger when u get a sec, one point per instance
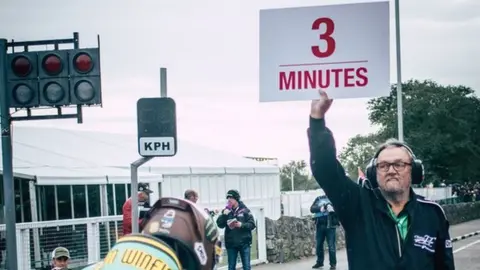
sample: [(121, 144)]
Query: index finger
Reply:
[(323, 94)]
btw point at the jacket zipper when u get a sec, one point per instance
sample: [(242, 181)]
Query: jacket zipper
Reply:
[(398, 241)]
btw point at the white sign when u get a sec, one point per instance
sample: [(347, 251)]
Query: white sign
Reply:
[(342, 49), (156, 146)]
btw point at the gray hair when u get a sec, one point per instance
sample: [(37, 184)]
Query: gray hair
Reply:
[(393, 142)]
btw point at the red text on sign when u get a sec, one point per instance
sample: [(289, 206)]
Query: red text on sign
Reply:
[(323, 78), (326, 37)]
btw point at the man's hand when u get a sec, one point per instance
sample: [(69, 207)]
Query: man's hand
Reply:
[(320, 106), (226, 211), (237, 224)]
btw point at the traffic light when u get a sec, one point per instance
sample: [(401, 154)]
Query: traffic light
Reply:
[(22, 74), (85, 84), (157, 126), (54, 78)]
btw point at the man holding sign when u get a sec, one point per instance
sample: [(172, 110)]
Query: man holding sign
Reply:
[(387, 225)]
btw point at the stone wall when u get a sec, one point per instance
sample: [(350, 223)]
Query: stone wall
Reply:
[(292, 238), (462, 212)]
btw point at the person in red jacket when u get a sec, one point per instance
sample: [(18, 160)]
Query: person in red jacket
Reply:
[(143, 196)]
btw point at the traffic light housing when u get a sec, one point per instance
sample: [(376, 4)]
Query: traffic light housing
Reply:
[(156, 119), (54, 78), (22, 74), (85, 83)]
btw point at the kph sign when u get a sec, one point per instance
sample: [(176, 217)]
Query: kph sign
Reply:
[(157, 127), (157, 146)]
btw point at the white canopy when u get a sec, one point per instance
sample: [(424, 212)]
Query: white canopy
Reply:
[(53, 155)]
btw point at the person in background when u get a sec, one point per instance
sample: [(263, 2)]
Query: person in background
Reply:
[(60, 258), (326, 223), (191, 195), (238, 222), (143, 200)]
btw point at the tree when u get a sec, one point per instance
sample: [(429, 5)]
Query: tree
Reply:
[(299, 171), (441, 124), (358, 153)]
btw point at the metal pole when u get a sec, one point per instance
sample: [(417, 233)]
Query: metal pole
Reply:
[(139, 162), (291, 180), (8, 185), (399, 72), (163, 82), (134, 192)]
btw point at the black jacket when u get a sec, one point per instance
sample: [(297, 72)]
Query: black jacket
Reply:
[(373, 240), (238, 237)]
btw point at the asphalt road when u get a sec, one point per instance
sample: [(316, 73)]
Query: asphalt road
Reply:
[(466, 252)]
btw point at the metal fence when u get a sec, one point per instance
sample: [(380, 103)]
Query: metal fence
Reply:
[(90, 239), (297, 203)]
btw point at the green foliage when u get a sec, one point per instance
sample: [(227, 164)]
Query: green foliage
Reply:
[(358, 152), (299, 171), (441, 124)]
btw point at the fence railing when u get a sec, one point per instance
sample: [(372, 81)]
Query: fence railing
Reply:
[(297, 203), (90, 239)]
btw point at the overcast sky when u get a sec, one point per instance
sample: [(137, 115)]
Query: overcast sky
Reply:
[(211, 51)]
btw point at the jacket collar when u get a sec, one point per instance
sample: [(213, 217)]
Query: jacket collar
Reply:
[(382, 204)]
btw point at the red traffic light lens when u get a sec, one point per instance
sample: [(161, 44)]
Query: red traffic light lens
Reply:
[(23, 94), (84, 91), (52, 64), (83, 62), (21, 66)]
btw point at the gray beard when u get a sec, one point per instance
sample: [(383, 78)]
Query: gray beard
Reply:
[(394, 196)]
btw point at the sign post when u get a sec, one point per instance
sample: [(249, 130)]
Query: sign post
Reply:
[(342, 49), (399, 72), (7, 167), (157, 136)]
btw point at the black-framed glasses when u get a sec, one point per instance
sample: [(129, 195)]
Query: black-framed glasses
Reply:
[(397, 166)]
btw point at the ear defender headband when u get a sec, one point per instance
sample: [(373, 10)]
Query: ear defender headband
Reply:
[(417, 166)]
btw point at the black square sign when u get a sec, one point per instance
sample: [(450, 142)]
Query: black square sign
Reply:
[(157, 127)]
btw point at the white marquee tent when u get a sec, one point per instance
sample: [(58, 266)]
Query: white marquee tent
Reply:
[(73, 157)]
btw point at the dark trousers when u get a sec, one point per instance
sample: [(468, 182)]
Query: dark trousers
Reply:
[(324, 233), (232, 254)]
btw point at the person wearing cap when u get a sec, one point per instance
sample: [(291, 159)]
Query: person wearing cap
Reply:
[(238, 222), (143, 196), (60, 258)]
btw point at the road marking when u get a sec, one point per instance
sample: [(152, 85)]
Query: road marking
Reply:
[(466, 246)]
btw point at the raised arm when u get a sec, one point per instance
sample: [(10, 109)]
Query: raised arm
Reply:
[(329, 173)]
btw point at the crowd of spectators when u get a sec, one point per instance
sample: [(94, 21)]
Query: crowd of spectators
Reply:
[(467, 192)]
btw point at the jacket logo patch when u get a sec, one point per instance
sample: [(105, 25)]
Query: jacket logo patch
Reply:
[(426, 242), (448, 244)]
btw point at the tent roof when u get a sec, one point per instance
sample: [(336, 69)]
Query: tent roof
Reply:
[(47, 168), (73, 153)]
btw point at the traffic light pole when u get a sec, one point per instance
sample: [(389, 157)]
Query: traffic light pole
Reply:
[(139, 162), (7, 158)]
